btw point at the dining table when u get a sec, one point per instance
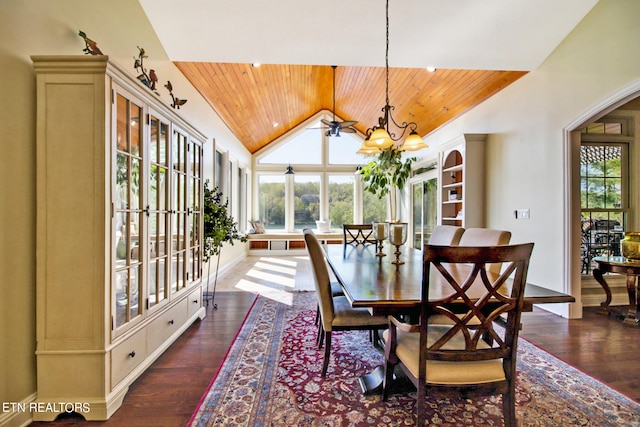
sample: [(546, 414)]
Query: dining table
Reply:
[(371, 281)]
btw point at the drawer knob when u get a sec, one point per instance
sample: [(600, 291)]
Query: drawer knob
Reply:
[(132, 354), (171, 322), (195, 301)]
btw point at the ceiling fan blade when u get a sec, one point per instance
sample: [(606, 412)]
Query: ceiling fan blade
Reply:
[(328, 123), (347, 123), (348, 130)]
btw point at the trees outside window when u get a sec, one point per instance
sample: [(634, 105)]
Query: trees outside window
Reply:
[(603, 189)]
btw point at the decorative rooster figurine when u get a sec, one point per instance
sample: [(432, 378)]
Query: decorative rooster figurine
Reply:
[(91, 47), (177, 102)]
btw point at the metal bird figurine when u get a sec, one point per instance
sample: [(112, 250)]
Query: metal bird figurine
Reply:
[(153, 78), (177, 102), (91, 47), (148, 81)]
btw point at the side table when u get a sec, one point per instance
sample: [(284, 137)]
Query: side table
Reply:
[(620, 265)]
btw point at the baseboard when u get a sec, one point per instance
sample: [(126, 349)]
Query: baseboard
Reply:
[(17, 414)]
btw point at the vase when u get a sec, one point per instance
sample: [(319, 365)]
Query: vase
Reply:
[(393, 204), (630, 245)]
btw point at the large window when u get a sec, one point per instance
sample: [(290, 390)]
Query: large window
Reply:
[(323, 187), (603, 189)]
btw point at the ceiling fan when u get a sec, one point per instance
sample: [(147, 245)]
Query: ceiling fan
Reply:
[(334, 127)]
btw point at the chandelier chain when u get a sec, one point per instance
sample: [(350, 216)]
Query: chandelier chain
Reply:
[(386, 56)]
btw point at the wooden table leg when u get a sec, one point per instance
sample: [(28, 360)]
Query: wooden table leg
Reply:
[(604, 306), (633, 317)]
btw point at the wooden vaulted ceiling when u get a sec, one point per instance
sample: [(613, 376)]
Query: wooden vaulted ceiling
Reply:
[(250, 100)]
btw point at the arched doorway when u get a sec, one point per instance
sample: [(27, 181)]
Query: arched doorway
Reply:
[(628, 97)]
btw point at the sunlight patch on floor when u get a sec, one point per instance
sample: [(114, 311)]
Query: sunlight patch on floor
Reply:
[(279, 295), (276, 279), (275, 268), (261, 274), (281, 261)]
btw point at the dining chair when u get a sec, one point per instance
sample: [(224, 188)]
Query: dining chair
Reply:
[(465, 358), (485, 237), (358, 234), (336, 313), (446, 235)]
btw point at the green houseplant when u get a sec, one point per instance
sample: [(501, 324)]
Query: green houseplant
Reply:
[(387, 174), (219, 227)]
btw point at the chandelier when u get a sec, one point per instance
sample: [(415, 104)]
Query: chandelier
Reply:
[(381, 137)]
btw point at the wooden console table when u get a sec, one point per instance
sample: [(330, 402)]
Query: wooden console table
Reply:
[(620, 265)]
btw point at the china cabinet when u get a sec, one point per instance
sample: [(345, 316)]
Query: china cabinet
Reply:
[(462, 181), (119, 231)]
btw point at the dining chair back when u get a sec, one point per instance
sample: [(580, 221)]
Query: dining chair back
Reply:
[(485, 237), (470, 356), (336, 313), (446, 235), (358, 234)]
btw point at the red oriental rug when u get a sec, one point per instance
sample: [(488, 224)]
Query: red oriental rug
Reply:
[(271, 377)]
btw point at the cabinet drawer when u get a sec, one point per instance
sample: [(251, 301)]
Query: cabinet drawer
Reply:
[(195, 302), (166, 324), (127, 355)]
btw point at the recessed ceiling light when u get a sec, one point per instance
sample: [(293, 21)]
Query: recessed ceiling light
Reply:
[(275, 124), (256, 64), (431, 69)]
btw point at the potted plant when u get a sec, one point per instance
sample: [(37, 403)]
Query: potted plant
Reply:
[(387, 174), (219, 227)]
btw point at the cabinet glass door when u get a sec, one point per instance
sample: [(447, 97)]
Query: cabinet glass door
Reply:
[(158, 210), (128, 213), (180, 214), (195, 210)]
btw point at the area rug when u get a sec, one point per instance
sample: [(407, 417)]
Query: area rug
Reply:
[(271, 377)]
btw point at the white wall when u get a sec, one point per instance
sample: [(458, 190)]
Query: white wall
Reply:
[(526, 125), (50, 27)]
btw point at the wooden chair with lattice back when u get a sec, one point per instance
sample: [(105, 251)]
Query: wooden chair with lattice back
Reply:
[(358, 234), (336, 313), (470, 356)]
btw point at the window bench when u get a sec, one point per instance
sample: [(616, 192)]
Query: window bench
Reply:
[(286, 243)]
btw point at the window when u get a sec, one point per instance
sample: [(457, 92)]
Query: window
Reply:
[(603, 189), (324, 185), (242, 199), (271, 201), (376, 209), (303, 148), (425, 210), (306, 200), (341, 204), (342, 150), (217, 178)]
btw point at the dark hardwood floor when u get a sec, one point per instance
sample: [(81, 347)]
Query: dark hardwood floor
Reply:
[(169, 391)]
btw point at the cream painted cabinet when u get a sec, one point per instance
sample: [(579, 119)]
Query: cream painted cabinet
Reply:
[(119, 231), (462, 181)]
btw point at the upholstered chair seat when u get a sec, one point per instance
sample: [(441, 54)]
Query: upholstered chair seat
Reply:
[(439, 372)]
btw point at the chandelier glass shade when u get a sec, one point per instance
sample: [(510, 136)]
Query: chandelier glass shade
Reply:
[(381, 137)]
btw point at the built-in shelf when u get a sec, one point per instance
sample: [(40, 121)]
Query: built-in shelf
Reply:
[(462, 182)]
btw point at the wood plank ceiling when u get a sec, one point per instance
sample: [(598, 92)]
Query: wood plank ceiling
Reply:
[(250, 100)]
